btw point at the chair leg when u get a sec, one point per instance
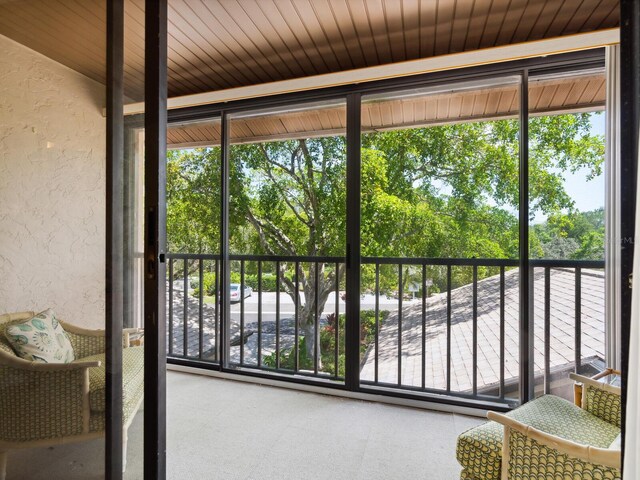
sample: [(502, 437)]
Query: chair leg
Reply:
[(3, 465), (125, 441)]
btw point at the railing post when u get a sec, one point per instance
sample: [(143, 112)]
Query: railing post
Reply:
[(277, 315), (578, 318), (502, 333), (296, 319), (185, 308), (200, 308), (260, 314), (547, 330), (400, 293), (170, 325), (448, 328), (241, 312), (475, 330)]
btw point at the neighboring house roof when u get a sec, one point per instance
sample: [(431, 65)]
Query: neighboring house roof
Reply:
[(562, 319)]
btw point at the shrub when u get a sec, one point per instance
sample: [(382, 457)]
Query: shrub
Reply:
[(327, 344)]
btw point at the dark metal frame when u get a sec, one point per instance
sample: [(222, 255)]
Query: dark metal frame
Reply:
[(352, 311), (225, 274), (155, 122), (352, 94), (114, 262), (629, 143), (526, 283)]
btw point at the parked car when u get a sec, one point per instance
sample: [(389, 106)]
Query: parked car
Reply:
[(234, 292)]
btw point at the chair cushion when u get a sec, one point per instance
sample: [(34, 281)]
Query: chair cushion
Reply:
[(41, 339), (132, 379), (603, 404), (479, 450)]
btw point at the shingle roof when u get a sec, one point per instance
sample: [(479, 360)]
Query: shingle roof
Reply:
[(562, 320)]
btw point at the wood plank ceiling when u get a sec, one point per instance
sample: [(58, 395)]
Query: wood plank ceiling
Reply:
[(585, 92), (219, 44)]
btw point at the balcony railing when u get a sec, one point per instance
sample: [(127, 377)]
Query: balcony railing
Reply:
[(457, 336)]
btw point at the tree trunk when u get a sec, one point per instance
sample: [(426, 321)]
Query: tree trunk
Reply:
[(307, 307)]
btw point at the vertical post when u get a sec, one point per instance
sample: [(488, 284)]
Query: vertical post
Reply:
[(277, 315), (155, 239), (225, 265), (448, 327), (170, 322), (260, 313), (114, 262), (216, 311), (377, 310), (316, 319), (185, 308), (613, 284), (578, 318), (200, 307), (475, 331), (400, 293), (526, 327), (502, 321), (424, 324), (352, 327), (547, 330), (336, 333), (241, 312), (629, 121), (296, 317)]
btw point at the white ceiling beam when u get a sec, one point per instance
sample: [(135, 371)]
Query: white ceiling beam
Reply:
[(538, 48)]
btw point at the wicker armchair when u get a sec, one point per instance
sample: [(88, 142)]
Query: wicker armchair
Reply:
[(45, 404), (548, 437)]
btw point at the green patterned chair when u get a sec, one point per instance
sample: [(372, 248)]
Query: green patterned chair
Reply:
[(45, 404), (548, 437)]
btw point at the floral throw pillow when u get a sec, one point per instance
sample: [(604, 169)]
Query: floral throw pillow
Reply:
[(41, 339)]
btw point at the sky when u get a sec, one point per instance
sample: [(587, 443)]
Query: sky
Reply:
[(587, 195)]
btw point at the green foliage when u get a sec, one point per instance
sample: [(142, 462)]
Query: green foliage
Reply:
[(209, 282), (328, 345), (193, 197), (575, 235), (442, 191), (269, 281)]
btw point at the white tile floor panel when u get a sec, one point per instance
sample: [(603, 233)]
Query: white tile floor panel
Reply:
[(227, 430)]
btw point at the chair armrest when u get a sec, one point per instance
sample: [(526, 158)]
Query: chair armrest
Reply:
[(87, 332), (600, 399), (595, 383), (40, 400), (18, 363), (126, 333), (526, 449)]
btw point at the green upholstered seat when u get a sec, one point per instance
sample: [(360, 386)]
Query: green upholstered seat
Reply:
[(132, 379), (479, 450), (49, 404)]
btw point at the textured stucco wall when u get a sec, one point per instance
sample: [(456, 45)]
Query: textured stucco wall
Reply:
[(52, 188)]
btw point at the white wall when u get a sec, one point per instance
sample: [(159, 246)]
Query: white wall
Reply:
[(52, 188)]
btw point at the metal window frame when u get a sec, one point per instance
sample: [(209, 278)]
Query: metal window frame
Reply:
[(576, 61), (613, 284), (155, 123), (629, 142), (114, 232)]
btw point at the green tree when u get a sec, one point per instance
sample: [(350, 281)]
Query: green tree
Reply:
[(575, 235), (442, 191)]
